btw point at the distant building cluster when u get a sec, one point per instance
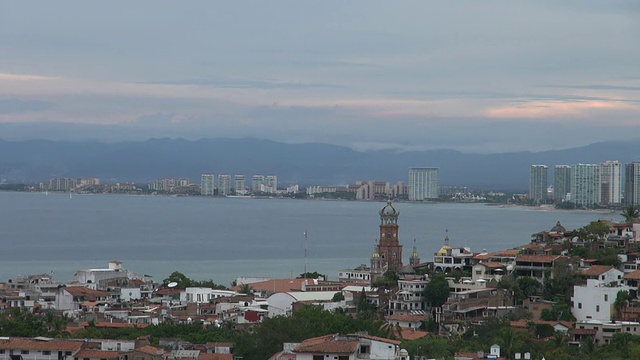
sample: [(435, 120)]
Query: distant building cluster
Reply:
[(260, 184), (608, 183), (66, 184)]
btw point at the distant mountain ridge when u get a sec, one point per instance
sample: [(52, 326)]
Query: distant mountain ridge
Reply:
[(305, 164)]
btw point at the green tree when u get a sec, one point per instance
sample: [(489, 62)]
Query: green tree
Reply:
[(338, 296), (437, 290), (622, 299), (312, 275), (596, 230), (246, 289), (631, 214)]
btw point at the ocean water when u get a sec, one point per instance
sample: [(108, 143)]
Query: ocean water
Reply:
[(223, 238)]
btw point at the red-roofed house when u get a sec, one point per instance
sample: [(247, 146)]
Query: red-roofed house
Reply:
[(604, 273), (40, 348), (537, 265), (343, 347)]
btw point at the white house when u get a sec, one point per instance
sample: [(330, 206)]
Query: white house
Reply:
[(594, 301), (282, 303), (351, 347)]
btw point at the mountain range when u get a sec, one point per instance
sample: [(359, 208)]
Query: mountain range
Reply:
[(305, 164)]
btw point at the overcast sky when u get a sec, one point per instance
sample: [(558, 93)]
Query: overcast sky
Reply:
[(477, 76)]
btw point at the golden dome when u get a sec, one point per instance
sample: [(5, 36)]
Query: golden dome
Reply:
[(444, 249)]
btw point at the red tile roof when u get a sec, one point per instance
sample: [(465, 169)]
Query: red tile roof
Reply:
[(277, 285), (31, 344), (595, 270), (538, 258), (328, 344), (206, 356), (410, 334), (81, 291), (492, 264), (151, 350), (634, 275)]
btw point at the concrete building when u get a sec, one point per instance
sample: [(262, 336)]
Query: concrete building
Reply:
[(353, 346), (594, 301), (272, 182), (585, 184), (224, 184), (561, 182), (240, 184), (610, 183), (423, 183), (632, 184), (538, 184), (257, 181), (207, 184), (62, 184)]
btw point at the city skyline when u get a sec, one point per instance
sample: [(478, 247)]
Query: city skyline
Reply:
[(467, 76)]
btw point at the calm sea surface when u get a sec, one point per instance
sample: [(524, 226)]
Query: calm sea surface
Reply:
[(222, 238)]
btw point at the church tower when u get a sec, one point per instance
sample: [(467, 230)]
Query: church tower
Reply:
[(414, 260), (389, 248), (376, 263)]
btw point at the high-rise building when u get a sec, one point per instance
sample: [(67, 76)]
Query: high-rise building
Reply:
[(561, 182), (632, 184), (610, 183), (207, 184), (272, 182), (423, 183), (240, 183), (257, 181), (538, 183), (224, 184), (585, 184)]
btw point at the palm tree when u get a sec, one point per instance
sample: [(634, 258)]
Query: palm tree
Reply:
[(631, 214), (245, 289)]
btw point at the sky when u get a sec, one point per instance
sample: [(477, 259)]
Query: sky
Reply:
[(474, 76)]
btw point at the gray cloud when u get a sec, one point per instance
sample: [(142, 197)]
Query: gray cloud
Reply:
[(17, 106)]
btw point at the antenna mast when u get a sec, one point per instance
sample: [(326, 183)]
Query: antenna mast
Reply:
[(305, 253)]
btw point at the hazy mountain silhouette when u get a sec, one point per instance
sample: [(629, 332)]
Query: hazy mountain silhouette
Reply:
[(306, 164)]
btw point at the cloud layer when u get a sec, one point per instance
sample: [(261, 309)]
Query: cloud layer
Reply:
[(465, 75)]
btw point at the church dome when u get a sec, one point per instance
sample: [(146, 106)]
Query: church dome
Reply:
[(558, 228), (445, 248), (389, 214)]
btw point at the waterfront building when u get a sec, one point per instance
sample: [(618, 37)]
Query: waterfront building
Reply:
[(409, 299), (423, 183), (256, 183), (610, 183), (224, 184), (538, 184), (82, 182), (400, 189), (240, 184), (207, 184), (292, 189), (168, 184), (371, 190), (388, 252), (272, 182), (585, 184), (632, 184), (561, 182), (62, 184)]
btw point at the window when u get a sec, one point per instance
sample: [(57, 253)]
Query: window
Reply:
[(606, 297), (597, 308), (579, 305), (364, 349), (46, 352), (318, 357)]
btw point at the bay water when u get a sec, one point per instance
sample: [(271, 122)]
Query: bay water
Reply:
[(223, 238)]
